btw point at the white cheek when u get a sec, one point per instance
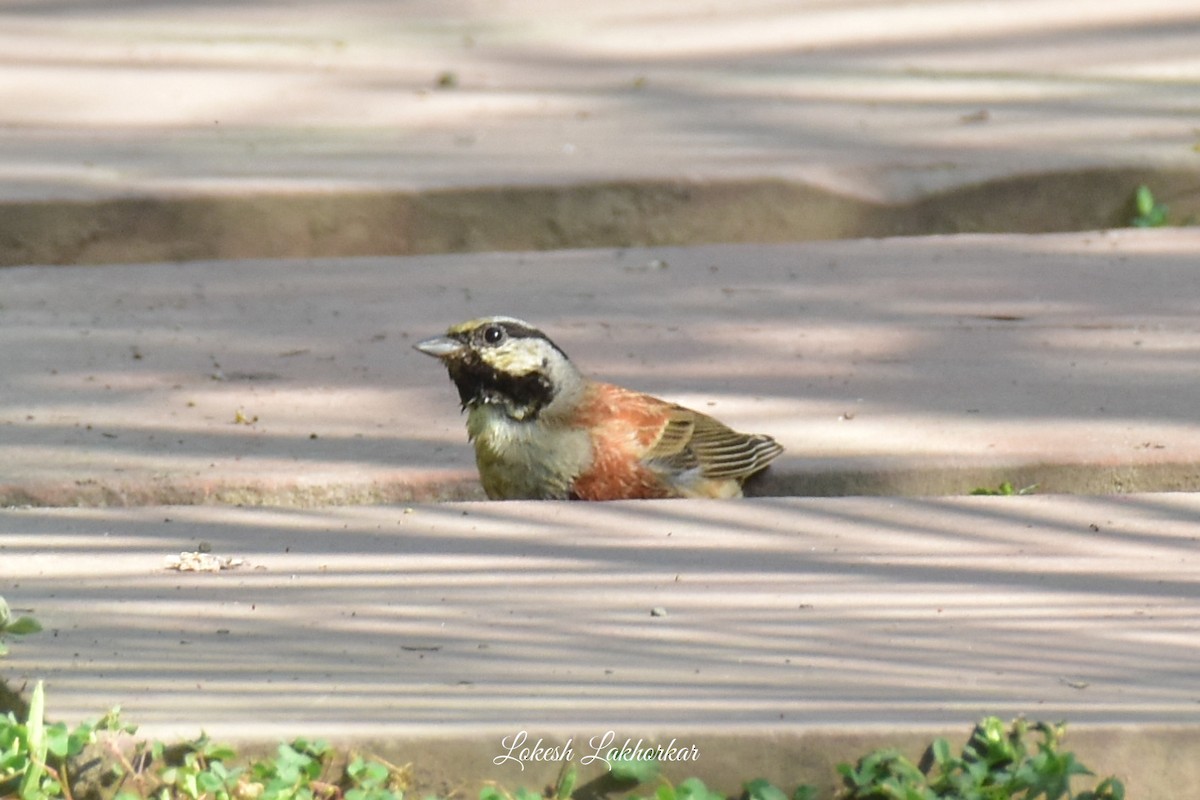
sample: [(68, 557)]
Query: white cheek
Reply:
[(521, 360)]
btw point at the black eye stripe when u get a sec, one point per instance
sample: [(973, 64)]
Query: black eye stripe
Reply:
[(517, 331), (509, 329)]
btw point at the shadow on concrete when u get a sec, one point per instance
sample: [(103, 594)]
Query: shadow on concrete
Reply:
[(763, 124), (788, 613), (890, 367), (482, 220)]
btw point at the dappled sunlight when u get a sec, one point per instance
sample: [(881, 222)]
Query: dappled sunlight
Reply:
[(862, 99), (382, 616), (273, 412), (1122, 243), (266, 406), (861, 358), (764, 27)]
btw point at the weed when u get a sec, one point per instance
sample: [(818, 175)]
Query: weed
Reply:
[(35, 756), (1147, 212), (36, 763), (20, 626), (633, 770), (299, 769), (696, 789), (997, 763), (1004, 490), (37, 760)]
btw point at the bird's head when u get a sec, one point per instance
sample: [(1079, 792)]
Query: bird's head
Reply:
[(504, 362)]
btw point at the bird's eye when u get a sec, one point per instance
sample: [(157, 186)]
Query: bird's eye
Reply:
[(493, 334)]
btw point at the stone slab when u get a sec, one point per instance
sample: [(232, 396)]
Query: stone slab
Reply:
[(920, 366), (171, 130), (880, 99), (778, 620)]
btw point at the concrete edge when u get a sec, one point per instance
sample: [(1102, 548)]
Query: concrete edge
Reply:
[(514, 218), (1159, 762), (293, 494), (1152, 761), (899, 481)]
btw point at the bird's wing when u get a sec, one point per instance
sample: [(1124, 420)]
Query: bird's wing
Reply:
[(690, 439), (671, 450), (726, 453)]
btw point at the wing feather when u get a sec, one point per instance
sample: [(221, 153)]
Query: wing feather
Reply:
[(690, 439)]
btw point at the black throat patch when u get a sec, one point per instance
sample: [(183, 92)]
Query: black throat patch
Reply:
[(522, 396)]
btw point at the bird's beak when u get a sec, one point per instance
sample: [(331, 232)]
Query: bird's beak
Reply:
[(440, 346)]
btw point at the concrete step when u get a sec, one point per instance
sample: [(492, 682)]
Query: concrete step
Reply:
[(771, 633), (310, 129), (924, 366), (797, 632)]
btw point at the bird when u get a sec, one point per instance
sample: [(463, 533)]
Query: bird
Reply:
[(543, 431)]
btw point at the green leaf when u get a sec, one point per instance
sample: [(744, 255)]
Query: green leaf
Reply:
[(695, 789), (35, 734), (374, 793), (369, 775), (291, 764), (376, 773), (566, 783), (223, 772), (208, 782), (1144, 200), (79, 738), (994, 735), (1149, 213), (22, 626), (58, 740), (805, 792), (941, 752), (316, 749), (187, 784), (111, 721), (762, 789), (219, 752), (637, 770)]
